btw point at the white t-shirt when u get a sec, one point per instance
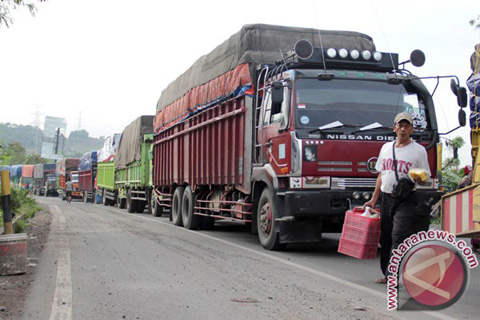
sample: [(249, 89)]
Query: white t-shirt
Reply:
[(412, 156)]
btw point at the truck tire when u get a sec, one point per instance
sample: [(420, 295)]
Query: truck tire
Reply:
[(131, 204), (105, 201), (266, 214), (122, 203), (140, 206), (157, 209), (189, 220), (177, 206)]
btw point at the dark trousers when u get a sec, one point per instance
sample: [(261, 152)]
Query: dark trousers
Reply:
[(399, 220)]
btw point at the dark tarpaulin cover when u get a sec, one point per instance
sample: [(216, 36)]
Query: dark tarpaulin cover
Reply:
[(256, 44), (130, 147), (87, 160)]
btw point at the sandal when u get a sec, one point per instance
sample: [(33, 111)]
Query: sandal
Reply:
[(382, 280)]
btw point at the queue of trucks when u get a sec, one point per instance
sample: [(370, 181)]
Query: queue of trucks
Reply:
[(277, 127)]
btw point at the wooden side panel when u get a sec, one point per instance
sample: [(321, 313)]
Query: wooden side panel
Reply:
[(209, 148)]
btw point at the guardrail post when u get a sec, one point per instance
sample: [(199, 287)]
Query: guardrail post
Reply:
[(7, 213)]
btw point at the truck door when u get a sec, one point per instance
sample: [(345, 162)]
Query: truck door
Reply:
[(275, 120)]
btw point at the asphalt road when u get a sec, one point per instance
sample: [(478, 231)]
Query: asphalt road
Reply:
[(103, 263)]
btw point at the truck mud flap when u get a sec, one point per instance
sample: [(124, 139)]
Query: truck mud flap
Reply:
[(295, 231)]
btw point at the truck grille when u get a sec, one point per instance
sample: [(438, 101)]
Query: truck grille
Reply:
[(344, 183)]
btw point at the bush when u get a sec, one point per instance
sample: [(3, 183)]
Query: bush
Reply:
[(23, 206), (20, 225), (19, 198)]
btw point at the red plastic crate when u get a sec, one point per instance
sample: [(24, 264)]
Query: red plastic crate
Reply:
[(353, 218), (360, 235), (357, 250)]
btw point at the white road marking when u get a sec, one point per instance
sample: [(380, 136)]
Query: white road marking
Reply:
[(62, 299)]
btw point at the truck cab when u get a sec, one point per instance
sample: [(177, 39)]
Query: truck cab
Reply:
[(74, 177), (50, 185), (321, 122)]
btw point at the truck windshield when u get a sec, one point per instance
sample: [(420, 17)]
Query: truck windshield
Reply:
[(355, 103)]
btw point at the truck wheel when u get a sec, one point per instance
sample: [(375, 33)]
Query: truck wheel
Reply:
[(177, 206), (105, 201), (122, 203), (131, 204), (269, 237), (157, 209), (189, 220), (140, 206)]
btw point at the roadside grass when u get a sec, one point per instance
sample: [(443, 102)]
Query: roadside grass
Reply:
[(23, 206), (436, 221)]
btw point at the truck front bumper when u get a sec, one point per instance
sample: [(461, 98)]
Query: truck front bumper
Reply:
[(330, 203)]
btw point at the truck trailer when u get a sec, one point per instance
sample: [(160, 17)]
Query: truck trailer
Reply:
[(87, 172), (132, 165), (105, 180), (280, 128), (26, 180), (40, 179), (65, 170)]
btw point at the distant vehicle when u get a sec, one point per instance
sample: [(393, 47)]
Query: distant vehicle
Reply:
[(26, 181), (64, 168), (40, 177), (125, 178), (87, 172)]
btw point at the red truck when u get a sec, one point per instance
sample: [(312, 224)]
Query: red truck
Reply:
[(281, 129), (87, 172), (66, 169)]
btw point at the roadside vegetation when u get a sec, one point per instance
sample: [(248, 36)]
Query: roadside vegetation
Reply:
[(23, 206)]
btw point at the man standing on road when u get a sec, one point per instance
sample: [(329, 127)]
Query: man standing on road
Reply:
[(400, 218), (68, 191)]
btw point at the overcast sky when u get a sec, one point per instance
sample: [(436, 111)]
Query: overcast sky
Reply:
[(101, 64)]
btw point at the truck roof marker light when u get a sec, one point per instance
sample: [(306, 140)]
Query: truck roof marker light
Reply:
[(366, 54), (354, 54), (331, 53), (377, 56), (343, 53)]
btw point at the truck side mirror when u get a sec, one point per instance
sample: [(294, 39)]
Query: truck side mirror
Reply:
[(460, 92), (462, 118), (277, 93), (417, 57)]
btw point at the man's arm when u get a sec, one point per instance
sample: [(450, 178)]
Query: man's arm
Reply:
[(376, 193)]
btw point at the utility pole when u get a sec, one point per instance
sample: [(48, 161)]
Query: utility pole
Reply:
[(57, 140)]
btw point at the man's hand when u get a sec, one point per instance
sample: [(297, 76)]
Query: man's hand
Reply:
[(418, 180), (371, 203)]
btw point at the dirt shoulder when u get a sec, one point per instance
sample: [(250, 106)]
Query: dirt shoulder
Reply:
[(14, 289)]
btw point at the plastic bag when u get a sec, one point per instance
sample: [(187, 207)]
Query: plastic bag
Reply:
[(422, 173)]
